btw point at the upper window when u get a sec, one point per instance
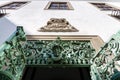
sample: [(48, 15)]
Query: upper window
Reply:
[(59, 6), (116, 14), (13, 5), (2, 12), (103, 6)]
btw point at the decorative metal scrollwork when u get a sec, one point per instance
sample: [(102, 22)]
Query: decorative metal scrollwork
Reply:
[(58, 52), (17, 52), (105, 62), (12, 59), (5, 76)]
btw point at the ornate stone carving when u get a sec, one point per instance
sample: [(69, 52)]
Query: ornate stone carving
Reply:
[(58, 25)]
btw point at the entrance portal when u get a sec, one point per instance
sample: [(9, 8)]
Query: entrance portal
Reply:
[(57, 73)]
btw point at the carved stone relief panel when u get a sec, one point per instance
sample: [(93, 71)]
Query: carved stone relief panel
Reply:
[(58, 25)]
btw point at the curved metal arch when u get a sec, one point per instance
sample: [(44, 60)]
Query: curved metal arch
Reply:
[(116, 76), (5, 76)]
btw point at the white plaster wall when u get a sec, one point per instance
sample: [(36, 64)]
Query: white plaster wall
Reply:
[(85, 17), (7, 28), (68, 0), (2, 2)]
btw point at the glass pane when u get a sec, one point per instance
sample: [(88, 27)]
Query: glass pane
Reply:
[(54, 6), (58, 5), (13, 5)]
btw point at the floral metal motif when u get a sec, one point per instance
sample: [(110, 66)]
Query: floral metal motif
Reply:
[(104, 64), (12, 60), (5, 76), (17, 52), (58, 52)]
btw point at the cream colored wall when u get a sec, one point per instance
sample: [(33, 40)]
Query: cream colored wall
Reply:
[(85, 17)]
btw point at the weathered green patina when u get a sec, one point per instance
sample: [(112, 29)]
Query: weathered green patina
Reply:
[(58, 52), (17, 52), (12, 60), (104, 64)]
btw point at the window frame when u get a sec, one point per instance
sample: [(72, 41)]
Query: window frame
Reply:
[(67, 3), (9, 3), (103, 6), (2, 12)]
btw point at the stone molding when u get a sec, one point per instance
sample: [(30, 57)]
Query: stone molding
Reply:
[(58, 25)]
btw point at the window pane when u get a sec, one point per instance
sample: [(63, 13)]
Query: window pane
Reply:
[(58, 5), (13, 5), (103, 6)]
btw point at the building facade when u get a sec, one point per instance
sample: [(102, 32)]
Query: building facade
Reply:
[(63, 36)]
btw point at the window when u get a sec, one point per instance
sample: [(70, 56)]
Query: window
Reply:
[(2, 12), (103, 6), (59, 6), (116, 14), (117, 17), (13, 5)]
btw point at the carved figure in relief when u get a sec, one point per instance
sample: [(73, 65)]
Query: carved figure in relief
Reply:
[(58, 25)]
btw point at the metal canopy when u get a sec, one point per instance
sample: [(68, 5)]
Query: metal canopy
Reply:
[(18, 53)]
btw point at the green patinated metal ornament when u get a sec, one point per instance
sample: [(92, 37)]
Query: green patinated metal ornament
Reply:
[(12, 60), (17, 52), (105, 63), (60, 52)]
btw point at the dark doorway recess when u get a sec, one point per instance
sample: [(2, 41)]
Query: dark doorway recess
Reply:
[(56, 73)]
